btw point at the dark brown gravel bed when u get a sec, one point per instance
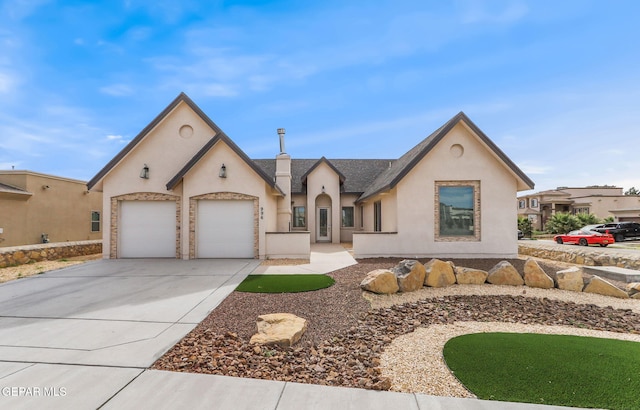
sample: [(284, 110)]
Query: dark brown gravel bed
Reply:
[(343, 342)]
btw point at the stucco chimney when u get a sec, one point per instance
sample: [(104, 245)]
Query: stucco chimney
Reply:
[(283, 180)]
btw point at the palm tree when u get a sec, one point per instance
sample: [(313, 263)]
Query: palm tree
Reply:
[(562, 223)]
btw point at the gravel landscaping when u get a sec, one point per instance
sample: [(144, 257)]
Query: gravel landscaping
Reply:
[(356, 342)]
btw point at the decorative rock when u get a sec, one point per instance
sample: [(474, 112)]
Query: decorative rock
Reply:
[(410, 275), (505, 274), (602, 287), (469, 276), (283, 329), (634, 290), (570, 279), (380, 281), (535, 277), (19, 255), (439, 273)]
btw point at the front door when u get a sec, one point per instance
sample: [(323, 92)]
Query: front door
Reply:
[(324, 225)]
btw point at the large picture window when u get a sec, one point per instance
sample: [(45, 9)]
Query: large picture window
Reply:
[(457, 210), (299, 218)]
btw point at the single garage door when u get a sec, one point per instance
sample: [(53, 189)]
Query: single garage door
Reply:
[(147, 229), (224, 229)]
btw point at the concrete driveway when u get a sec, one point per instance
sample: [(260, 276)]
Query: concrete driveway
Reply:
[(83, 338), (73, 338)]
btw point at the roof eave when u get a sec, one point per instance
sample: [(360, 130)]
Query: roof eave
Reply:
[(220, 136), (182, 97)]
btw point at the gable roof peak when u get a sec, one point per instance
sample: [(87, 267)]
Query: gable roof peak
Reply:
[(400, 168), (324, 160), (181, 98)]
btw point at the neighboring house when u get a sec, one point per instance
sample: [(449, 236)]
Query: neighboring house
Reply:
[(183, 189), (36, 208), (601, 201)]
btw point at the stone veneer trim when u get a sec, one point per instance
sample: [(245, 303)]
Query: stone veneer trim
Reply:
[(222, 196), (140, 196), (476, 212)]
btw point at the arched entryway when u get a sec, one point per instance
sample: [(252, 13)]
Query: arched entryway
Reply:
[(323, 218)]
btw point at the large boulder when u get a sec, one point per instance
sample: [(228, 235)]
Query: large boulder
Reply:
[(633, 289), (439, 273), (535, 277), (284, 329), (505, 274), (381, 281), (570, 279), (602, 287), (410, 274), (470, 276)]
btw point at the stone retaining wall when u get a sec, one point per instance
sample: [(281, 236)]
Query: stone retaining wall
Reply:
[(19, 255), (581, 255)]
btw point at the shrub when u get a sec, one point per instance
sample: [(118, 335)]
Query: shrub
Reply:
[(562, 223), (588, 219), (524, 224)]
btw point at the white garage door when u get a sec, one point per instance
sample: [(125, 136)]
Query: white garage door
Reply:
[(224, 229), (147, 229)]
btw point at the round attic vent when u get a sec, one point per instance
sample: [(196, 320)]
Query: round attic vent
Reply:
[(186, 131), (456, 150)]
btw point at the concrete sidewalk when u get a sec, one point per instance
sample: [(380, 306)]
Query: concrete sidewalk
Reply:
[(83, 338), (324, 258)]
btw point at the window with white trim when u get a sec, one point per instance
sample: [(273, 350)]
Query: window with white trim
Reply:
[(95, 221)]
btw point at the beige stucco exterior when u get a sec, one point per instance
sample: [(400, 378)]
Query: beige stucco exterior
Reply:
[(185, 152), (40, 204), (601, 201), (409, 211)]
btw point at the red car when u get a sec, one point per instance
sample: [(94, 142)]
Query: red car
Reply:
[(585, 237)]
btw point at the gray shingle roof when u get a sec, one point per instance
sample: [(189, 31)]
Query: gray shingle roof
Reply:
[(367, 177), (358, 173)]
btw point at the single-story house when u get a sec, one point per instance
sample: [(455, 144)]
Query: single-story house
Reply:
[(183, 189), (37, 208)]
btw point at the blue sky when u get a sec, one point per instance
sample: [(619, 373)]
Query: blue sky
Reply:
[(555, 84)]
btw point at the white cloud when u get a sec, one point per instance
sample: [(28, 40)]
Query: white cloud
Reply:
[(7, 83), (10, 165), (218, 90), (535, 169), (19, 9), (114, 137), (117, 90)]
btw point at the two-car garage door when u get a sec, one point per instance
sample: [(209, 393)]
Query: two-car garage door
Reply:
[(224, 229), (147, 229)]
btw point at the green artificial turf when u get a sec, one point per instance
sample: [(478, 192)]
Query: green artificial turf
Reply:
[(284, 283), (548, 369)]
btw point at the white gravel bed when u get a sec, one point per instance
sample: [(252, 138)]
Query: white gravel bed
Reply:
[(414, 362), (382, 301)]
